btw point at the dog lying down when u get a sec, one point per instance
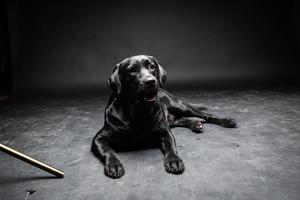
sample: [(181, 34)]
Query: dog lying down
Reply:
[(141, 112)]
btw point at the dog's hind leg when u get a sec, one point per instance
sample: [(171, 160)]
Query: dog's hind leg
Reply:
[(193, 123), (180, 109), (185, 110)]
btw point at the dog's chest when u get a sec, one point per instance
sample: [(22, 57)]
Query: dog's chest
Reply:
[(135, 119), (145, 118)]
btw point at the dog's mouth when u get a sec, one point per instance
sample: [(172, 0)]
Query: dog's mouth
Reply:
[(151, 97)]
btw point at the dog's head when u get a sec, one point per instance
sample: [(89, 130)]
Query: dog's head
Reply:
[(140, 76)]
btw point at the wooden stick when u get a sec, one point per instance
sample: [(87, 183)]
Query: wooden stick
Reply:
[(34, 162)]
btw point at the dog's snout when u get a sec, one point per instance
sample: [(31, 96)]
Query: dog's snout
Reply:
[(150, 82)]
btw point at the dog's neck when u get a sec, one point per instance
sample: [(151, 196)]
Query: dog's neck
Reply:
[(136, 107), (134, 101)]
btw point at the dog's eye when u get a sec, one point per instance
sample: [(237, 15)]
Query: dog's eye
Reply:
[(152, 67)]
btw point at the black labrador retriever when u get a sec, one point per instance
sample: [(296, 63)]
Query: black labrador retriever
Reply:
[(140, 112)]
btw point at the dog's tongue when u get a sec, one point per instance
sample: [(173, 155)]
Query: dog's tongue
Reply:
[(150, 99)]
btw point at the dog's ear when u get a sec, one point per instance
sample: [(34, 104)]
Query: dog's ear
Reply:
[(162, 75), (114, 82)]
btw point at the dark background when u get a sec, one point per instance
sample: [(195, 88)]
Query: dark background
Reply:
[(73, 46)]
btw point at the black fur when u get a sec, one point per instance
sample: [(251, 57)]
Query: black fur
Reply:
[(140, 110)]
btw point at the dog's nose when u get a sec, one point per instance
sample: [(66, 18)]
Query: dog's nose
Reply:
[(150, 82)]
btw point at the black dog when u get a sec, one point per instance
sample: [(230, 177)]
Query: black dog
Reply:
[(139, 111)]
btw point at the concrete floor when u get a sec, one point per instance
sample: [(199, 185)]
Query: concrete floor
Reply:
[(258, 160)]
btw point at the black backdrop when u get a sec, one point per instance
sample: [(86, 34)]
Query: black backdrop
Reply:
[(75, 45)]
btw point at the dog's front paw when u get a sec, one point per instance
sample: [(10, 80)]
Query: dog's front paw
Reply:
[(174, 165), (114, 168), (228, 123)]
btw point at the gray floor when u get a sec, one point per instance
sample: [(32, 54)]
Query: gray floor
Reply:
[(258, 160)]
